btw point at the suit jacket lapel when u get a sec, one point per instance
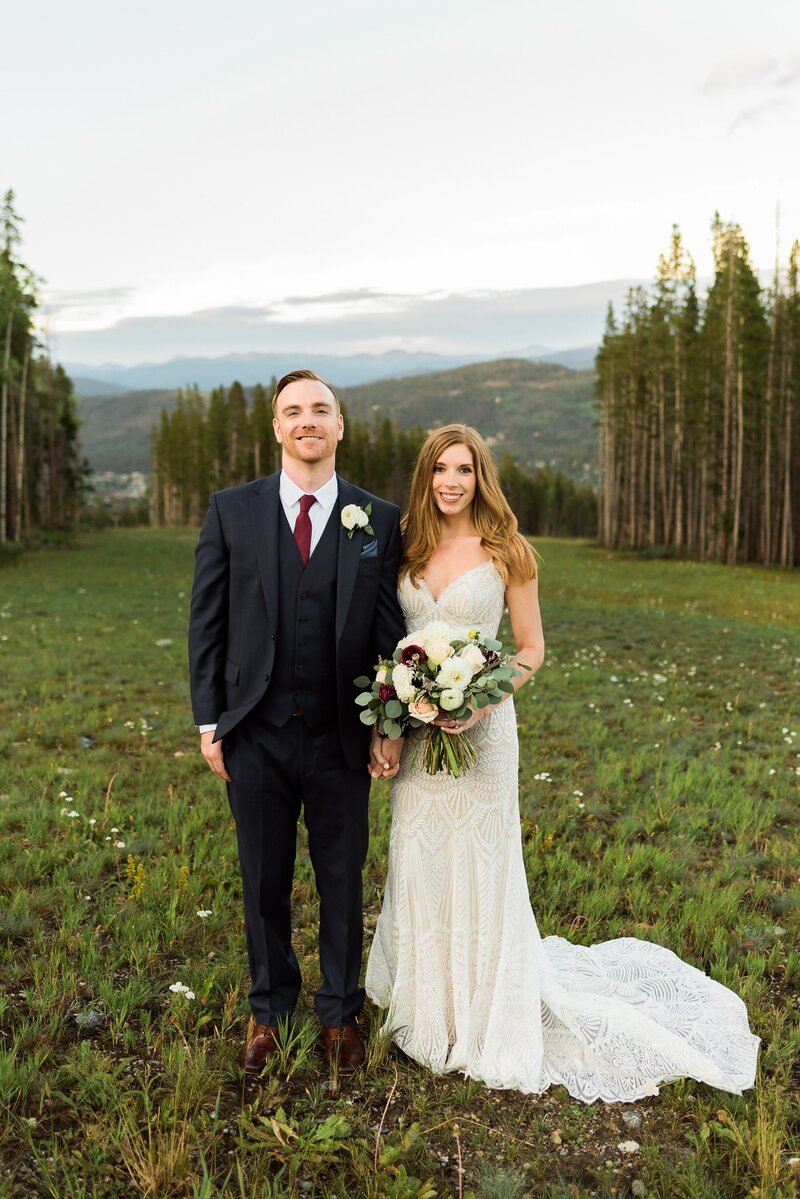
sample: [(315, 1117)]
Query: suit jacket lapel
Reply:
[(349, 554), (265, 511)]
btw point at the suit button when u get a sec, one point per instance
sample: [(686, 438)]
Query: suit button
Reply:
[(266, 678), (303, 595), (302, 619)]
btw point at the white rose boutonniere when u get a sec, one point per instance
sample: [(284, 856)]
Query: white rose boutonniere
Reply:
[(354, 518)]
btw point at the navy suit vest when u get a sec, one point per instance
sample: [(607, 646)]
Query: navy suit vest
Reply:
[(304, 672)]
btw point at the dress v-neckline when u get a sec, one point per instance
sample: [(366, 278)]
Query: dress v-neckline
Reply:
[(452, 583)]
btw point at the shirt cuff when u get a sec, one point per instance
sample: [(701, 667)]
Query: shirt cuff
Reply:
[(207, 728)]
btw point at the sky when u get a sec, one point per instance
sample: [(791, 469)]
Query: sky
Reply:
[(289, 170)]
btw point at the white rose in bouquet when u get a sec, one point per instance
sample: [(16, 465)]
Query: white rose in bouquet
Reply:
[(401, 680), (438, 650), (451, 699), (436, 629), (473, 657)]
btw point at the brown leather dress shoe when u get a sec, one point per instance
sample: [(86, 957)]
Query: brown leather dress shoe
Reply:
[(259, 1046), (345, 1047)]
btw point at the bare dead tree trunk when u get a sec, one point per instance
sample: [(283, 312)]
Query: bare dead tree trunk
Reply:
[(738, 458), (676, 480), (4, 431), (23, 396)]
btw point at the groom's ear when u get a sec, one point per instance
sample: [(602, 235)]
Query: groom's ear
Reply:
[(340, 422)]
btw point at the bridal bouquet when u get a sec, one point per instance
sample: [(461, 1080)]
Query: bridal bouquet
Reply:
[(436, 671)]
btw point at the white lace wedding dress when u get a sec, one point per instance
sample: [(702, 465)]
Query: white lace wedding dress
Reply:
[(457, 958)]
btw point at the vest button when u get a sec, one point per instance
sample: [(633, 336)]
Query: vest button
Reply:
[(303, 595)]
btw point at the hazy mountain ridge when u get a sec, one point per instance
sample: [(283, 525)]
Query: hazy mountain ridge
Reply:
[(342, 370)]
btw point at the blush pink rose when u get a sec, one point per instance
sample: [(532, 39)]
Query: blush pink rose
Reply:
[(423, 710)]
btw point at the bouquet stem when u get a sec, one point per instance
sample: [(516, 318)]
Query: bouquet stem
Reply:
[(448, 754)]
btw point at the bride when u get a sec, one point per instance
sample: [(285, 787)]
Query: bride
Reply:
[(457, 959)]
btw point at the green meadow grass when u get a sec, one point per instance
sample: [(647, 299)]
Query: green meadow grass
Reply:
[(660, 774)]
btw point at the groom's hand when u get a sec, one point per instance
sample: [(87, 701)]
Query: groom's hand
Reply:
[(384, 756), (212, 752)]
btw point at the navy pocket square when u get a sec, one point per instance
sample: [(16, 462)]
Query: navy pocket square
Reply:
[(369, 549)]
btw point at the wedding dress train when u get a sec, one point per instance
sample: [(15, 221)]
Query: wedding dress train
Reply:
[(457, 959)]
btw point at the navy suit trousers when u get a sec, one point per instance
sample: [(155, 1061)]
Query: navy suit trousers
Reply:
[(275, 772)]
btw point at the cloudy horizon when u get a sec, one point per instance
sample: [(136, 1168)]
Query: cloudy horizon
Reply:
[(323, 169)]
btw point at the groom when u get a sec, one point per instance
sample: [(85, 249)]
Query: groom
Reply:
[(291, 602)]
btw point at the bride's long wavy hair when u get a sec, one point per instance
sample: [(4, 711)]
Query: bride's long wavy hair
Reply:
[(491, 515)]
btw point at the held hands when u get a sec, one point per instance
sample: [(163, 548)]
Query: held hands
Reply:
[(212, 752), (384, 756)]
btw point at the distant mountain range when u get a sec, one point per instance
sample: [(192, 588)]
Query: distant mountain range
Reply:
[(249, 369), (539, 412)]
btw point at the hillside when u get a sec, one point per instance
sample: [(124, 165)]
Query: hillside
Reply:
[(115, 429), (538, 412)]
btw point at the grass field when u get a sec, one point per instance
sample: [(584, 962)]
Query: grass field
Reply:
[(659, 793)]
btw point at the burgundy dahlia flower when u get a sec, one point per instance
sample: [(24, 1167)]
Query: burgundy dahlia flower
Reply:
[(412, 654)]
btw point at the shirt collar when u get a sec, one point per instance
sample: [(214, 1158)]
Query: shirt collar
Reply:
[(326, 496)]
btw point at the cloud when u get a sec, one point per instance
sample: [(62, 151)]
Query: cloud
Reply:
[(748, 115), (790, 72), (64, 301), (355, 296), (745, 70), (480, 322)]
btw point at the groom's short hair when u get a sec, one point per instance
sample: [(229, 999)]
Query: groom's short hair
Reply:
[(295, 377)]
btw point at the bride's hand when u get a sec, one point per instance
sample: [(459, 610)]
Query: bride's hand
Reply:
[(448, 724)]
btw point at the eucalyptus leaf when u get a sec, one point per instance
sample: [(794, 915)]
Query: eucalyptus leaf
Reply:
[(363, 699), (363, 681), (368, 717), (394, 708)]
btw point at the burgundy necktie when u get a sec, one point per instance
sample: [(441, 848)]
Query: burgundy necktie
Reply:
[(302, 527)]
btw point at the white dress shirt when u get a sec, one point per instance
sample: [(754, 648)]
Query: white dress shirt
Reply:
[(319, 515)]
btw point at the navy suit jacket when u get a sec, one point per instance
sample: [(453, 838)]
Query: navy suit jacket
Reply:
[(235, 605)]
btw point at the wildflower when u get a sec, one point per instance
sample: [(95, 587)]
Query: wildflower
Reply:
[(119, 844), (180, 989), (204, 913), (69, 812)]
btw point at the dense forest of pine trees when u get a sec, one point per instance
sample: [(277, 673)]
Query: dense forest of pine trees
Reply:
[(700, 411), (199, 448), (41, 472)]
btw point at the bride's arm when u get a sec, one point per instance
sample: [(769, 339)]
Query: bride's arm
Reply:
[(522, 601)]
